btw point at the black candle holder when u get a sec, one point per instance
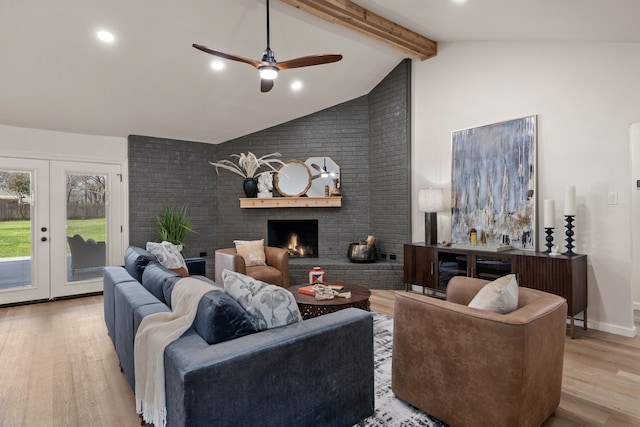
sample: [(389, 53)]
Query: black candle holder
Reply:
[(569, 233), (549, 239)]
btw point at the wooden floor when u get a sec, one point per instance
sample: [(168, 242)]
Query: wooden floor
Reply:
[(58, 368)]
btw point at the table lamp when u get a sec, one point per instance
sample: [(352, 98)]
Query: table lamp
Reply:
[(430, 201)]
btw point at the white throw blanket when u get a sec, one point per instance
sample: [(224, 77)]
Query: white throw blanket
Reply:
[(156, 332)]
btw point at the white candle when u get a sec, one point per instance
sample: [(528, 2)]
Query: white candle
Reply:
[(549, 213), (570, 200)]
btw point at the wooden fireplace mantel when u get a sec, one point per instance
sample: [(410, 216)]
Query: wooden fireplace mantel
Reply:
[(291, 202)]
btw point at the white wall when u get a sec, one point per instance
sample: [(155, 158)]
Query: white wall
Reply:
[(45, 144), (634, 138), (585, 97)]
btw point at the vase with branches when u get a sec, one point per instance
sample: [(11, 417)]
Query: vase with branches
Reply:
[(248, 166)]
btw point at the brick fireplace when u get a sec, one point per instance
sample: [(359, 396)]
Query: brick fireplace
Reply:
[(298, 236)]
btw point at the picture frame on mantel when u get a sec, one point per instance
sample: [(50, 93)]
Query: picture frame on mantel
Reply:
[(494, 185)]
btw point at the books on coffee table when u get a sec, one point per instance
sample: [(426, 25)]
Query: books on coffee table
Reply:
[(308, 290)]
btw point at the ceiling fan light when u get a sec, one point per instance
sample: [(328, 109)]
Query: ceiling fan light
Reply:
[(106, 36), (325, 173), (268, 72)]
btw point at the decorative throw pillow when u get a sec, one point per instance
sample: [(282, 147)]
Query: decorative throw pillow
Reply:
[(252, 251), (136, 260), (270, 305), (499, 296), (169, 256), (156, 277), (221, 318)]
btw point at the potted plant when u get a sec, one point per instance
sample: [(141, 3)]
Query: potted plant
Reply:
[(247, 167), (173, 226)]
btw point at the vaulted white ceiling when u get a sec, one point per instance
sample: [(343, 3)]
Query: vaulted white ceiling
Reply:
[(55, 74)]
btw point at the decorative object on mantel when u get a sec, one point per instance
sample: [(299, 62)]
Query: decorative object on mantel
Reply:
[(316, 276), (293, 179), (364, 251), (265, 185), (549, 222), (430, 201), (247, 167), (336, 188), (323, 171), (569, 215), (493, 183), (250, 187)]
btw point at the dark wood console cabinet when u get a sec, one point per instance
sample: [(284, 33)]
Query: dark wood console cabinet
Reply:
[(431, 267)]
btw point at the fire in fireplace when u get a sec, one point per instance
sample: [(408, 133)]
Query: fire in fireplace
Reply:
[(298, 236)]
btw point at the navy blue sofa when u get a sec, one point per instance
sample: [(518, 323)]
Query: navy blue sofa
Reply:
[(222, 372)]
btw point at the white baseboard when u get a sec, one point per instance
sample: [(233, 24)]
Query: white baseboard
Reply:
[(607, 327)]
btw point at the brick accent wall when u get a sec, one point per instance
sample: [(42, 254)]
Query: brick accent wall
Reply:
[(339, 132), (389, 159), (368, 137), (165, 172)]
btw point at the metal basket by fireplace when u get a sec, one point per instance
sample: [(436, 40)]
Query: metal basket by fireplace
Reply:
[(362, 253)]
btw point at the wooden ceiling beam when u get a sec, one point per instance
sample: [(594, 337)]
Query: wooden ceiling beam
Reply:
[(357, 18)]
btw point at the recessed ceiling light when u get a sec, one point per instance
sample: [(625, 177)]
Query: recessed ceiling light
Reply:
[(297, 85), (459, 1), (217, 65), (106, 36)]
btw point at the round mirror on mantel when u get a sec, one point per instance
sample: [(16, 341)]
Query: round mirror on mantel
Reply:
[(323, 172), (293, 178)]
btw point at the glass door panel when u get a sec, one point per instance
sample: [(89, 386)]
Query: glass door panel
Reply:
[(15, 228), (492, 267), (24, 248), (86, 218), (450, 264), (86, 226)]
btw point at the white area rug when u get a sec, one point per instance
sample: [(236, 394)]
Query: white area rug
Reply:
[(391, 411)]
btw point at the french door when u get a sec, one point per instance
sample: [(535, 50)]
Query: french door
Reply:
[(60, 224)]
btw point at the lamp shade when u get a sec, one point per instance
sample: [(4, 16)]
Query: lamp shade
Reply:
[(431, 200)]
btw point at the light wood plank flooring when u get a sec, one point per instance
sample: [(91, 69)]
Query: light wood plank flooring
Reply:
[(58, 368)]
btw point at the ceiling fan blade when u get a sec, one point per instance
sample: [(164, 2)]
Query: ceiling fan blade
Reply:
[(306, 61), (227, 55), (266, 85)]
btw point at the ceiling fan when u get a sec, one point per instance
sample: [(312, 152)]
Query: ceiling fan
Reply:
[(268, 66)]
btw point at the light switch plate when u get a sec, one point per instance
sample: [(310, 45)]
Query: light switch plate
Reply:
[(612, 198)]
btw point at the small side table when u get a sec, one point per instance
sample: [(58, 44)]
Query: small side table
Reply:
[(310, 307), (196, 266)]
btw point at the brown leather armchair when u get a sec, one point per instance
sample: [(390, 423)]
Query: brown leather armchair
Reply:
[(275, 272), (470, 367)]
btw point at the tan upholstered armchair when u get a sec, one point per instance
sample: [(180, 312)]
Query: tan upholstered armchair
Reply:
[(275, 272), (470, 367)]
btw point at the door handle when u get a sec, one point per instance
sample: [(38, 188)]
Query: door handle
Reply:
[(44, 239)]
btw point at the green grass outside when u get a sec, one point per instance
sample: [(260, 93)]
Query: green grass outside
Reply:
[(15, 236)]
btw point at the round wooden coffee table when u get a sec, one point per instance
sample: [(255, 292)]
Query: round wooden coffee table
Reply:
[(310, 307)]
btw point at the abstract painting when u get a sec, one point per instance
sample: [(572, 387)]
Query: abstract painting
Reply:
[(494, 185)]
